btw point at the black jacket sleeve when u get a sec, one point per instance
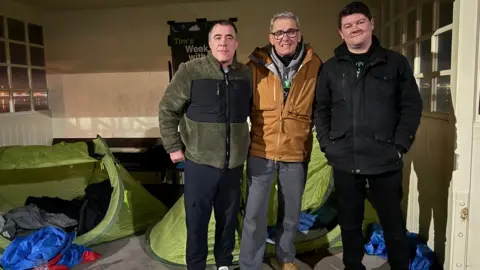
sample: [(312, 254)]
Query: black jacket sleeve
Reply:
[(322, 107), (409, 107)]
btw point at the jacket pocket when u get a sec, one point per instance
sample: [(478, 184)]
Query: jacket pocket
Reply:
[(265, 95), (339, 88), (205, 101), (335, 144), (239, 100), (384, 81), (387, 146)]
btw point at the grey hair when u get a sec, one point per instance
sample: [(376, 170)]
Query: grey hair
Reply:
[(284, 15)]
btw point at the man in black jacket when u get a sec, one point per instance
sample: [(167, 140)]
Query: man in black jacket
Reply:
[(368, 109)]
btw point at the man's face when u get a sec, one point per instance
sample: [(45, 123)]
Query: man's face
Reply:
[(285, 36), (356, 29), (223, 43)]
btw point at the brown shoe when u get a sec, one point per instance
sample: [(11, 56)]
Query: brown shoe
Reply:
[(289, 266)]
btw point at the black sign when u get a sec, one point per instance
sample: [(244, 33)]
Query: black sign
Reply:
[(188, 40)]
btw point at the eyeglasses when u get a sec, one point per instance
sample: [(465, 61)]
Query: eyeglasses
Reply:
[(291, 33)]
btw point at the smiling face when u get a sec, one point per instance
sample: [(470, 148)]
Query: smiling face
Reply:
[(285, 36), (223, 43), (356, 30)]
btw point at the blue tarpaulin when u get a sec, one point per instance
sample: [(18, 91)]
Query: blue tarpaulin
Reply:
[(423, 257)]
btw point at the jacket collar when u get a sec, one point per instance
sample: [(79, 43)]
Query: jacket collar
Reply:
[(378, 52), (217, 64), (261, 55)]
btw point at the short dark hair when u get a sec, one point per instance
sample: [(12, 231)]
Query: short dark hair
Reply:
[(225, 23), (354, 8)]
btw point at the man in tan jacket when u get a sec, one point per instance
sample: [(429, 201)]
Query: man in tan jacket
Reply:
[(284, 79)]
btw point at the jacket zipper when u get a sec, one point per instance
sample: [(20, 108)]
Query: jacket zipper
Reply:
[(357, 79), (281, 131), (227, 109)]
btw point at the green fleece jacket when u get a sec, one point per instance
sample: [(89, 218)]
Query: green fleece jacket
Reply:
[(204, 111)]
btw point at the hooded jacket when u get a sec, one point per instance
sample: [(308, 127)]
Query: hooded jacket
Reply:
[(367, 118), (281, 129)]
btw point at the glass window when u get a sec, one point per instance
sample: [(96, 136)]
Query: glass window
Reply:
[(443, 98), (446, 13), (412, 25), (16, 30), (387, 9), (37, 57), (4, 101), (398, 33), (2, 34), (426, 56), (411, 55), (40, 100), (39, 79), (20, 78), (397, 6), (18, 54), (3, 52), (427, 18), (425, 87), (445, 50), (35, 34), (3, 78), (21, 101), (411, 3)]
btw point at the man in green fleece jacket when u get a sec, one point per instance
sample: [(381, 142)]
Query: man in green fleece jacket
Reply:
[(208, 101)]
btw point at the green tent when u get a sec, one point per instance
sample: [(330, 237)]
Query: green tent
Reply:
[(166, 241), (64, 171)]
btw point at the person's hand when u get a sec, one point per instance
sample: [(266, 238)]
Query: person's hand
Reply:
[(177, 156)]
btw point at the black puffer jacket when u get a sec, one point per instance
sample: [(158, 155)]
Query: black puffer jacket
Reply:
[(365, 124)]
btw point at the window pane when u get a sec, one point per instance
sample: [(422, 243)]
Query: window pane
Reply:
[(387, 37), (37, 57), (21, 101), (387, 10), (18, 54), (425, 56), (39, 79), (427, 18), (3, 78), (3, 52), (411, 3), (2, 34), (35, 34), (40, 100), (16, 29), (20, 78), (443, 98), (411, 55), (397, 6), (4, 102), (411, 25), (425, 86), (398, 32), (446, 13), (445, 50)]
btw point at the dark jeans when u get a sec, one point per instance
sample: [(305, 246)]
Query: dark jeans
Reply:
[(206, 187), (386, 195)]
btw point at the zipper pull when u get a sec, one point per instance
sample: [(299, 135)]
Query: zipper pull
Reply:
[(218, 89)]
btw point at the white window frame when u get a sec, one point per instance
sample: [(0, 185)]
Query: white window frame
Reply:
[(28, 66), (390, 17)]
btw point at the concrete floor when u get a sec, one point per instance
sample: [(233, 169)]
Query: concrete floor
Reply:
[(129, 254)]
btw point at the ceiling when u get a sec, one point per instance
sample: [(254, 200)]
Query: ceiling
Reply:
[(97, 4)]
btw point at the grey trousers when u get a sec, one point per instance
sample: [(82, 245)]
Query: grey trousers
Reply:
[(291, 184)]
